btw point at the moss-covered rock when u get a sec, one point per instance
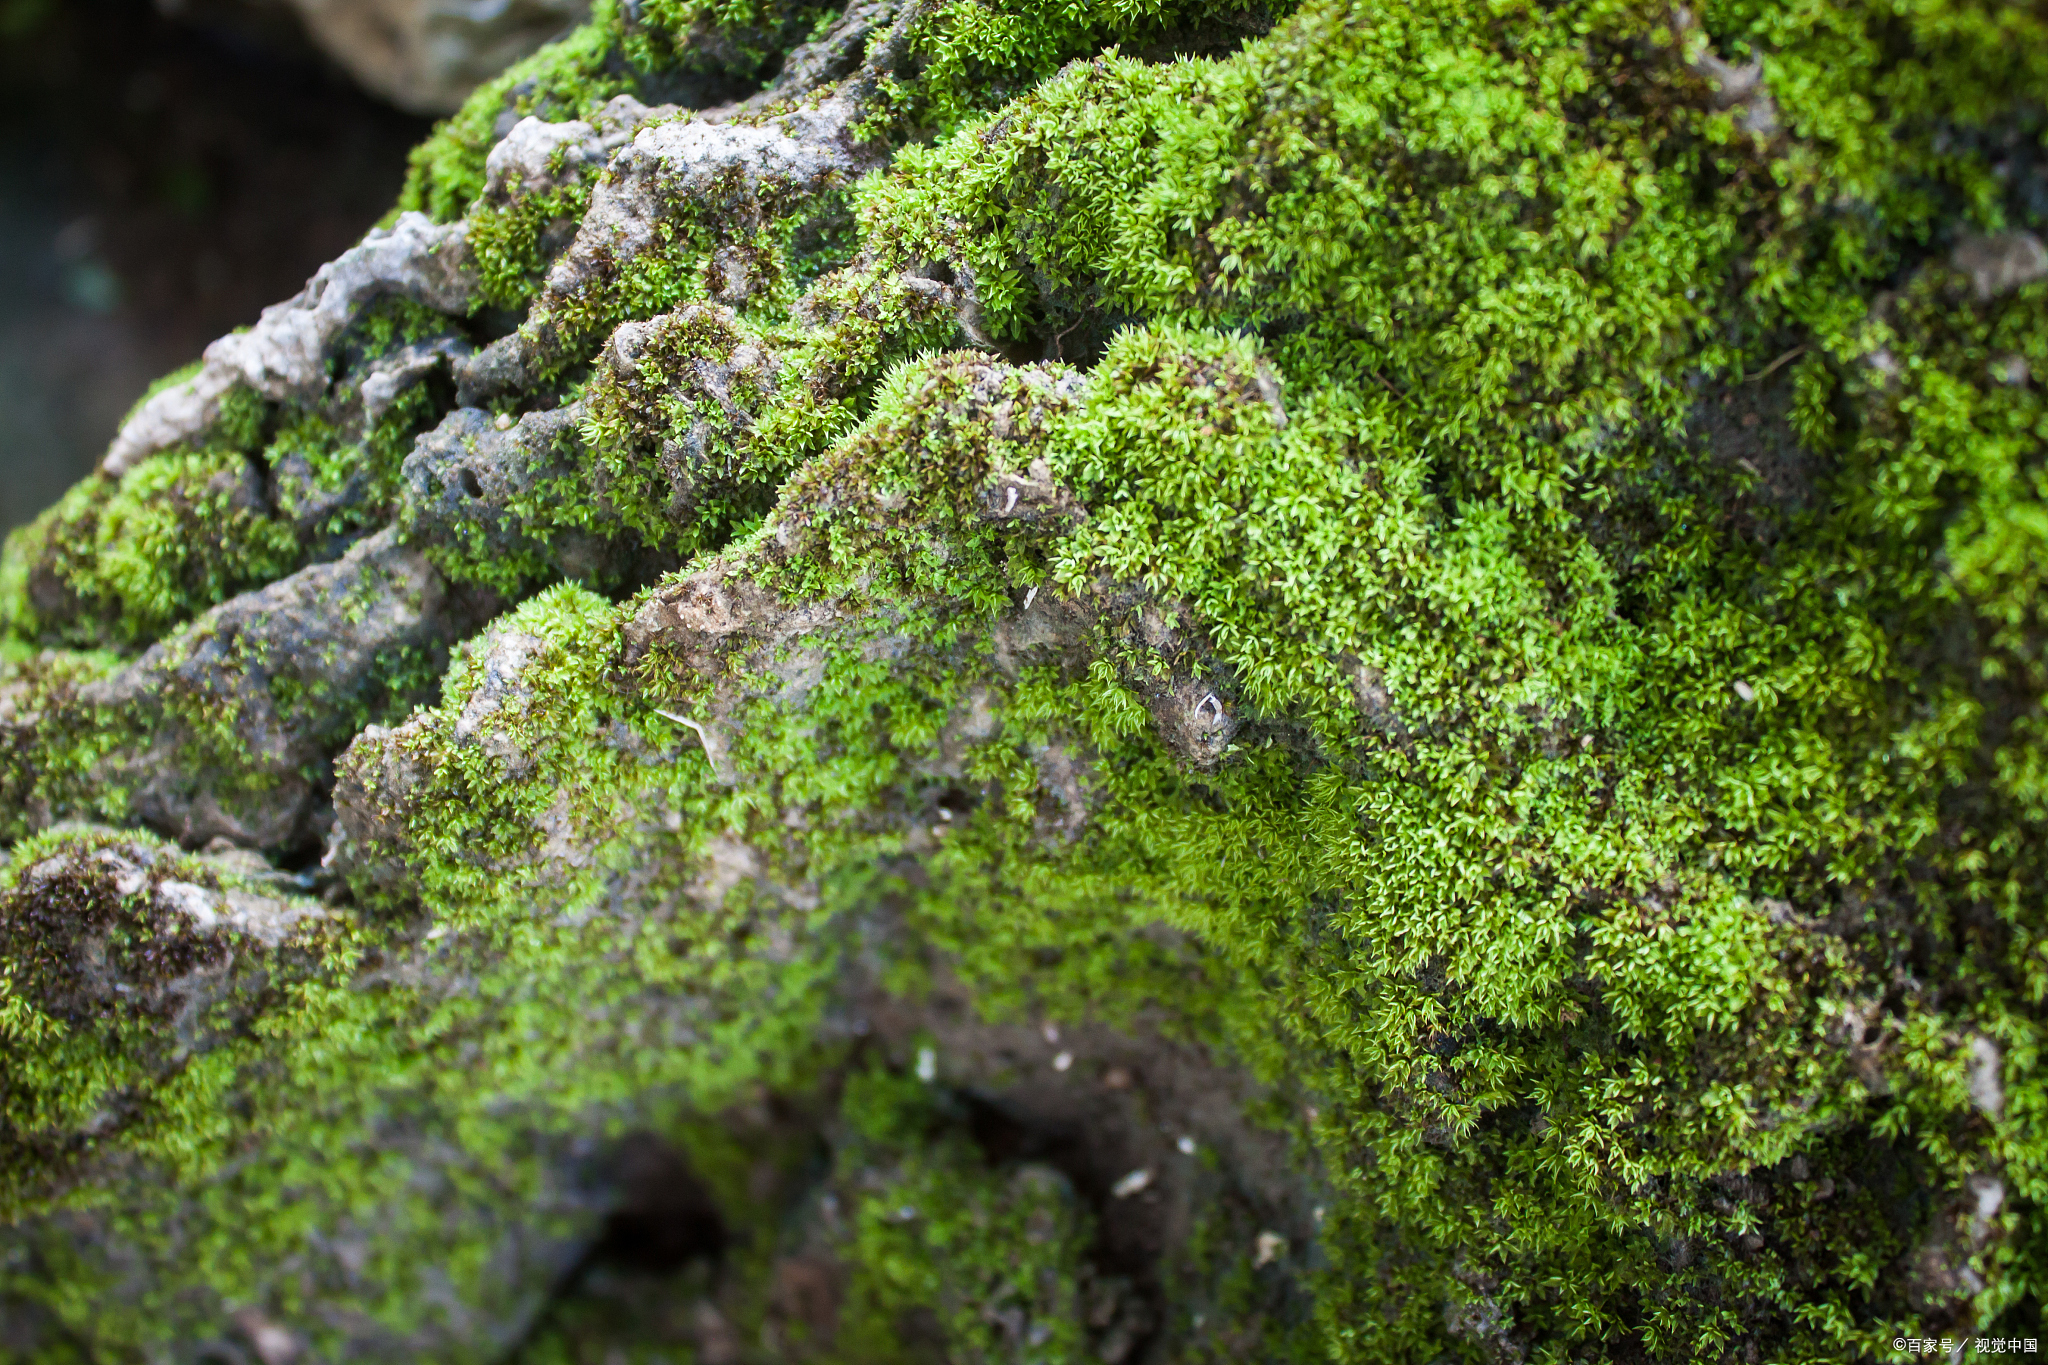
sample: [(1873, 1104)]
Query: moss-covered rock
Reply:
[(977, 681)]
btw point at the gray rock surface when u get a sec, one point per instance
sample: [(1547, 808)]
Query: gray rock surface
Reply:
[(318, 638), (285, 354), (426, 55)]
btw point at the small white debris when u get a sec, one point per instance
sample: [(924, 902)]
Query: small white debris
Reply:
[(1318, 1212), (945, 814), (1050, 1031), (1063, 1061), (1745, 691), (1186, 1145), (439, 931), (1987, 1077), (504, 422), (1270, 1247), (1132, 1183), (274, 1345), (907, 1213), (1010, 503), (702, 738), (927, 1065), (1030, 594)]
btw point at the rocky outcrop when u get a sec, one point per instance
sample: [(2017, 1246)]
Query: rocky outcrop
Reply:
[(885, 686)]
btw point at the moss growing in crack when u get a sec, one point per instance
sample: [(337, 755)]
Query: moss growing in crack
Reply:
[(994, 1259), (511, 243)]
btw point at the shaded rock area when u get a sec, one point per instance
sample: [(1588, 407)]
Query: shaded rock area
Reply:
[(959, 682)]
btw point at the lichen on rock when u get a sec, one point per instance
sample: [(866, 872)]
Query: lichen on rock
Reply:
[(986, 681)]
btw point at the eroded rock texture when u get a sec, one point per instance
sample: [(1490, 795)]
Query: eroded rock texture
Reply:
[(968, 682)]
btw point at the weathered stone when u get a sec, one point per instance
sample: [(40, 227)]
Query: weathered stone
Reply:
[(318, 637), (285, 355), (427, 55)]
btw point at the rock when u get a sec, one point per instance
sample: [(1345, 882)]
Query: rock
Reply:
[(425, 56), (1999, 263), (289, 664), (286, 354), (468, 481), (1987, 1084), (964, 698)]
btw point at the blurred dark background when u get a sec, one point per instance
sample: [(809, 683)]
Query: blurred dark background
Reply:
[(161, 180)]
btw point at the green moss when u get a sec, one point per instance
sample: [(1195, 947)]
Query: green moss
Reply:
[(94, 1002), (996, 1258), (716, 51), (508, 241), (48, 751), (118, 562), (972, 56), (564, 80)]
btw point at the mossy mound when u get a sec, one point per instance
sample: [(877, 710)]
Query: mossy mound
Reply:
[(976, 681)]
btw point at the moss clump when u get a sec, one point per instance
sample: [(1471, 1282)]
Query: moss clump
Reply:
[(119, 563), (124, 996), (997, 1259), (116, 563)]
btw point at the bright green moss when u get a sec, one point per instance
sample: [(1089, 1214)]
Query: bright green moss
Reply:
[(973, 56), (120, 561), (508, 242)]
